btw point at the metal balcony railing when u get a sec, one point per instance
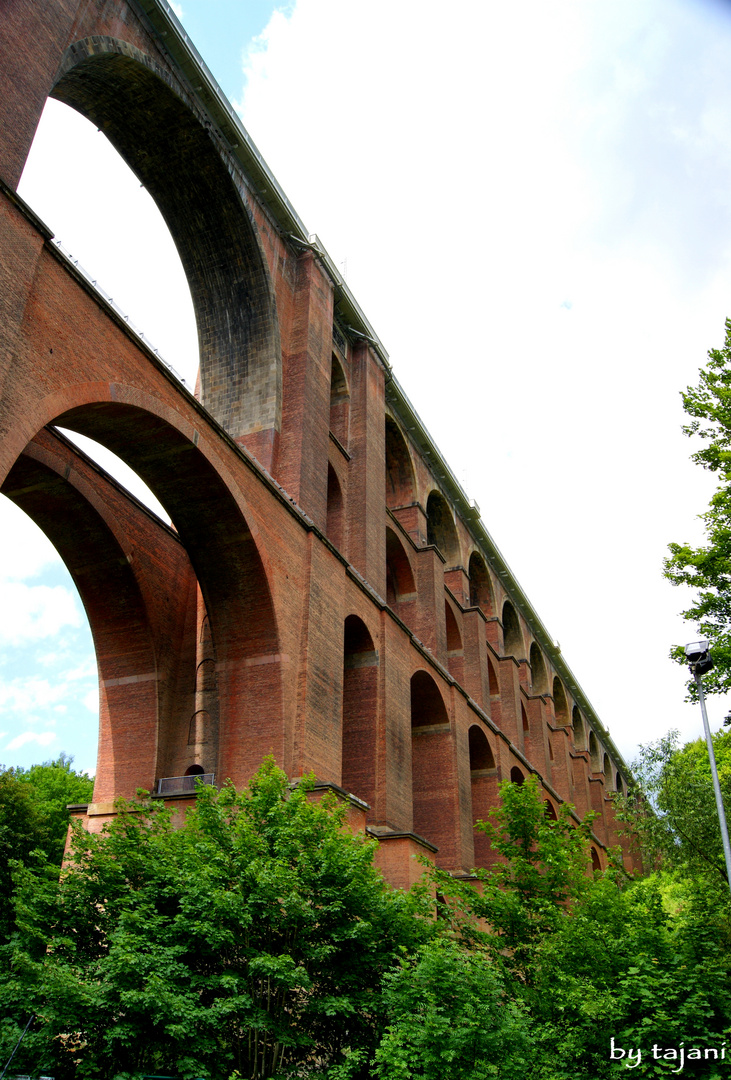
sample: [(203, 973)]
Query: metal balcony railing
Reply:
[(182, 785)]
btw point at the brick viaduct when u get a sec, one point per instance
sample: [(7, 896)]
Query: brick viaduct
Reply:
[(327, 593)]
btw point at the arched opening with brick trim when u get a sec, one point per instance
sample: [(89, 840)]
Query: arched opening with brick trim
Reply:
[(594, 752), (524, 722), (516, 775), (455, 650), (433, 778), (142, 571), (400, 584), (607, 770), (578, 729), (596, 863), (550, 810), (339, 403), (480, 588), (360, 710), (334, 528), (619, 784), (175, 155), (512, 635), (492, 680), (539, 678), (483, 788), (440, 528), (560, 704), (400, 484)]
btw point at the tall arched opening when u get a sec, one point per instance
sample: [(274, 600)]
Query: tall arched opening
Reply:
[(440, 528), (512, 634), (539, 677), (178, 159), (560, 704), (433, 780), (138, 578), (360, 711), (480, 589), (483, 789), (400, 584), (339, 403), (400, 483)]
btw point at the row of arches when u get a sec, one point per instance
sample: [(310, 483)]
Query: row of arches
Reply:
[(402, 596)]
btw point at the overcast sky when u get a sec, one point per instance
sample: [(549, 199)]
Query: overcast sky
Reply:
[(532, 204)]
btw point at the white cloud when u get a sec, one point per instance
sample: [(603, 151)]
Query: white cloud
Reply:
[(42, 738), (32, 612), (91, 701), (24, 550)]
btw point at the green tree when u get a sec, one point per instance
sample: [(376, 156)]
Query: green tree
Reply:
[(252, 936), (707, 569), (589, 957), (682, 832), (451, 1019), (34, 819)]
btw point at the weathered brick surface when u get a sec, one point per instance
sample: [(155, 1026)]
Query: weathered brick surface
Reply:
[(332, 608)]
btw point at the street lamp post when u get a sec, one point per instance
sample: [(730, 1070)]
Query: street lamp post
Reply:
[(699, 660)]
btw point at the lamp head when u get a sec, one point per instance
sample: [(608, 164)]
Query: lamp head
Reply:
[(698, 656)]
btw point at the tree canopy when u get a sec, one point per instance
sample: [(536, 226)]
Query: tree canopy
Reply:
[(251, 936), (34, 819), (255, 939), (707, 568)]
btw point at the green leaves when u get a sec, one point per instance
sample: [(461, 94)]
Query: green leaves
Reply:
[(252, 937), (707, 569)]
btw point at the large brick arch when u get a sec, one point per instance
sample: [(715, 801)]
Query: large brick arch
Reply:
[(174, 152), (109, 545), (210, 522)]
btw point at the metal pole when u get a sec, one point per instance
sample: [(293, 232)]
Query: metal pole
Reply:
[(714, 774), (32, 1018)]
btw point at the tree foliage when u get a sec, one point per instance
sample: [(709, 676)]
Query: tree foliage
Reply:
[(254, 937), (587, 957), (681, 832), (34, 820), (707, 569)]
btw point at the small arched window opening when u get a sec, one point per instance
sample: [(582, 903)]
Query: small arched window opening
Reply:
[(454, 638), (335, 510), (619, 785), (593, 752), (550, 810), (481, 756), (516, 776), (492, 680), (194, 770), (539, 678), (596, 864), (480, 589), (524, 718), (400, 485), (427, 704), (440, 528), (512, 636), (578, 728), (339, 403), (400, 584), (607, 768), (560, 704)]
